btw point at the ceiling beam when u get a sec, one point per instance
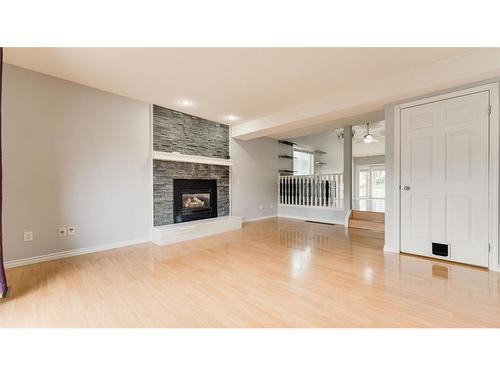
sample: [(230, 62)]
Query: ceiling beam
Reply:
[(458, 70)]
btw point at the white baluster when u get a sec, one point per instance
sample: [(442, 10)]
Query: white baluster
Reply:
[(280, 190), (320, 191), (329, 190), (315, 184), (308, 190), (286, 189), (300, 191), (311, 193), (295, 190), (323, 189), (330, 193), (289, 195)]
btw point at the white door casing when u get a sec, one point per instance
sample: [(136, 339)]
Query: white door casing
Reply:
[(444, 178)]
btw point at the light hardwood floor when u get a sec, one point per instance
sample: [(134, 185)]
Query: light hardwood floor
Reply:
[(273, 273)]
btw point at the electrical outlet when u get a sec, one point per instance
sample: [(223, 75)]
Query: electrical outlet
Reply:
[(71, 231), (63, 232), (28, 236)]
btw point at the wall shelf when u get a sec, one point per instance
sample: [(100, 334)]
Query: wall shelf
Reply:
[(285, 142), (175, 156), (286, 157), (301, 147)]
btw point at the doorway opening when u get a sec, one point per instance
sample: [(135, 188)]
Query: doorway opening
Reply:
[(368, 151)]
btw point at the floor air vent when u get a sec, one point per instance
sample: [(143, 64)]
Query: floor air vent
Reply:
[(318, 222)]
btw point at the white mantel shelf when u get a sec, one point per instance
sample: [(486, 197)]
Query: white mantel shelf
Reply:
[(174, 156)]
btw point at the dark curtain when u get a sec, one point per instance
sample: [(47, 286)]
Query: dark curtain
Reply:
[(3, 280)]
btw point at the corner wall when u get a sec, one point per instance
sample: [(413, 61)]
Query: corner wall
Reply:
[(254, 177), (72, 156)]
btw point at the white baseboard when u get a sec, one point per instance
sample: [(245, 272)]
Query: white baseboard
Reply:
[(304, 218), (390, 249), (327, 208), (495, 268), (72, 253), (257, 218), (347, 217)]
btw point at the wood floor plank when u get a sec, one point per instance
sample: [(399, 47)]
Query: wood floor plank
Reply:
[(272, 273)]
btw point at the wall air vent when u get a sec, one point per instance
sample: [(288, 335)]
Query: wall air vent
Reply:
[(440, 249)]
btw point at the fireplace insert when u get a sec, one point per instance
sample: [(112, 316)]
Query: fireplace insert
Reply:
[(194, 200)]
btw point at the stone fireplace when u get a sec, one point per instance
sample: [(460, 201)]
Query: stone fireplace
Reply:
[(191, 168), (191, 177), (194, 199)]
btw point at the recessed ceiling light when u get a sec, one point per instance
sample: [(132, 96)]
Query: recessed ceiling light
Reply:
[(232, 117), (185, 102)]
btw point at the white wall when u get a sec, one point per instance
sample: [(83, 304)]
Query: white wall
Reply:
[(255, 177), (330, 143), (323, 215), (77, 156), (72, 155)]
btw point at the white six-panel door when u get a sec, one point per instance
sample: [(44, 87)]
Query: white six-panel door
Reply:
[(444, 178)]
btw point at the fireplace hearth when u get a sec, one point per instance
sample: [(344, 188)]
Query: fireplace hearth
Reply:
[(194, 200)]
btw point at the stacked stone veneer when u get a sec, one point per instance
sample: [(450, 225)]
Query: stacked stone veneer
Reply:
[(190, 135), (178, 132)]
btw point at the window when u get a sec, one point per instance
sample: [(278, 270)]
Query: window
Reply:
[(378, 182), (371, 181), (303, 163), (364, 182)]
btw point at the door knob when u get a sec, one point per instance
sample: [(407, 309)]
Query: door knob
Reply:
[(406, 187)]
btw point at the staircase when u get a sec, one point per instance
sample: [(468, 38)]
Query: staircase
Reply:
[(367, 220)]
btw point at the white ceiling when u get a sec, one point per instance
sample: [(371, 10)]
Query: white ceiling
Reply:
[(251, 83)]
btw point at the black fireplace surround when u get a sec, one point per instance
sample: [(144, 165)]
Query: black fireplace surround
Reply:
[(194, 200)]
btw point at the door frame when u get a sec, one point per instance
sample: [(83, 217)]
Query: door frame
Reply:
[(493, 173)]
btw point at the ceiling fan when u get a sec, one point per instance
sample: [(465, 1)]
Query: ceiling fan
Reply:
[(368, 137)]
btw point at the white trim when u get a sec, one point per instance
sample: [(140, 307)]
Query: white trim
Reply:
[(389, 249), (230, 173), (454, 94), (314, 207), (309, 218), (258, 218), (493, 90), (347, 217), (72, 253), (151, 166), (174, 156), (494, 259), (395, 248)]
